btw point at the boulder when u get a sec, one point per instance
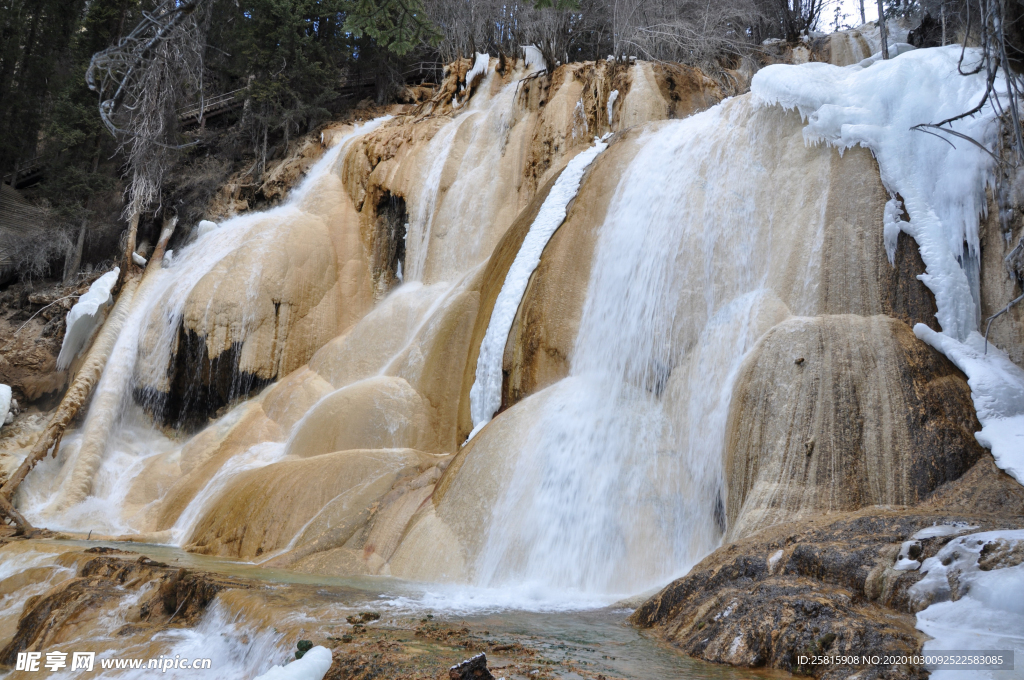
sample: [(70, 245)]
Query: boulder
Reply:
[(841, 412)]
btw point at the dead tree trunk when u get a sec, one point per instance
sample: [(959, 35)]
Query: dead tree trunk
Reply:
[(84, 382), (883, 31)]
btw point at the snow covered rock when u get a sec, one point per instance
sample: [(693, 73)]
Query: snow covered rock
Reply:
[(942, 185), (313, 665), (5, 404), (974, 592), (85, 316)]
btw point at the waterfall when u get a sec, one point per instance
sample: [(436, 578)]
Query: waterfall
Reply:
[(453, 225), (96, 464), (486, 392), (619, 483)]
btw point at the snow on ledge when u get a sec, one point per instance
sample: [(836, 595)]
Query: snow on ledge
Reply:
[(942, 181), (85, 316), (485, 395)]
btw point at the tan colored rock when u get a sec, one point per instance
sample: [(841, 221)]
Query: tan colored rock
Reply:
[(997, 287), (837, 413), (201, 459), (265, 509), (377, 413)]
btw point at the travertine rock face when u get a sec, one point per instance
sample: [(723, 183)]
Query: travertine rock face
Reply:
[(1001, 275), (265, 509), (840, 412)]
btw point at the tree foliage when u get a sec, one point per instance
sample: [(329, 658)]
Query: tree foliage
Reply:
[(398, 25)]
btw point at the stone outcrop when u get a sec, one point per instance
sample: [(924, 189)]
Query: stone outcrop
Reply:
[(168, 597), (327, 493), (824, 585), (841, 412)]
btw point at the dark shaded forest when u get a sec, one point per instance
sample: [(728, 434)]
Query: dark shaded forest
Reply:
[(246, 77)]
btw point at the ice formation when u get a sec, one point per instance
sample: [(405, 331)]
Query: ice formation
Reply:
[(975, 602), (997, 388), (942, 530), (611, 102), (941, 180), (85, 316), (5, 403), (485, 395), (480, 66), (533, 57), (313, 665)]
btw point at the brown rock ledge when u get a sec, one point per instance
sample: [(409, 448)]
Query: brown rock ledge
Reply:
[(822, 586)]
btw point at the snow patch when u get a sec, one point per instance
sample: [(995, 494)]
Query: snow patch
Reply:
[(313, 665), (485, 395), (85, 316), (611, 102), (942, 181), (968, 607), (5, 403)]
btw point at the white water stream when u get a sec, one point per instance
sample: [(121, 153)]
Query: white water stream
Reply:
[(84, 488), (627, 453)]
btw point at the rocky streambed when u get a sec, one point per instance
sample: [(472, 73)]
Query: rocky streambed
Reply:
[(150, 602)]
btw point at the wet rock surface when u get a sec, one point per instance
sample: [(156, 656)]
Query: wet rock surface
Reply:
[(824, 586), (469, 669), (168, 596)]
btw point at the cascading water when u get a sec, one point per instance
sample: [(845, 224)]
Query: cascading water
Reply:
[(94, 466), (452, 225), (619, 484), (485, 394)]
